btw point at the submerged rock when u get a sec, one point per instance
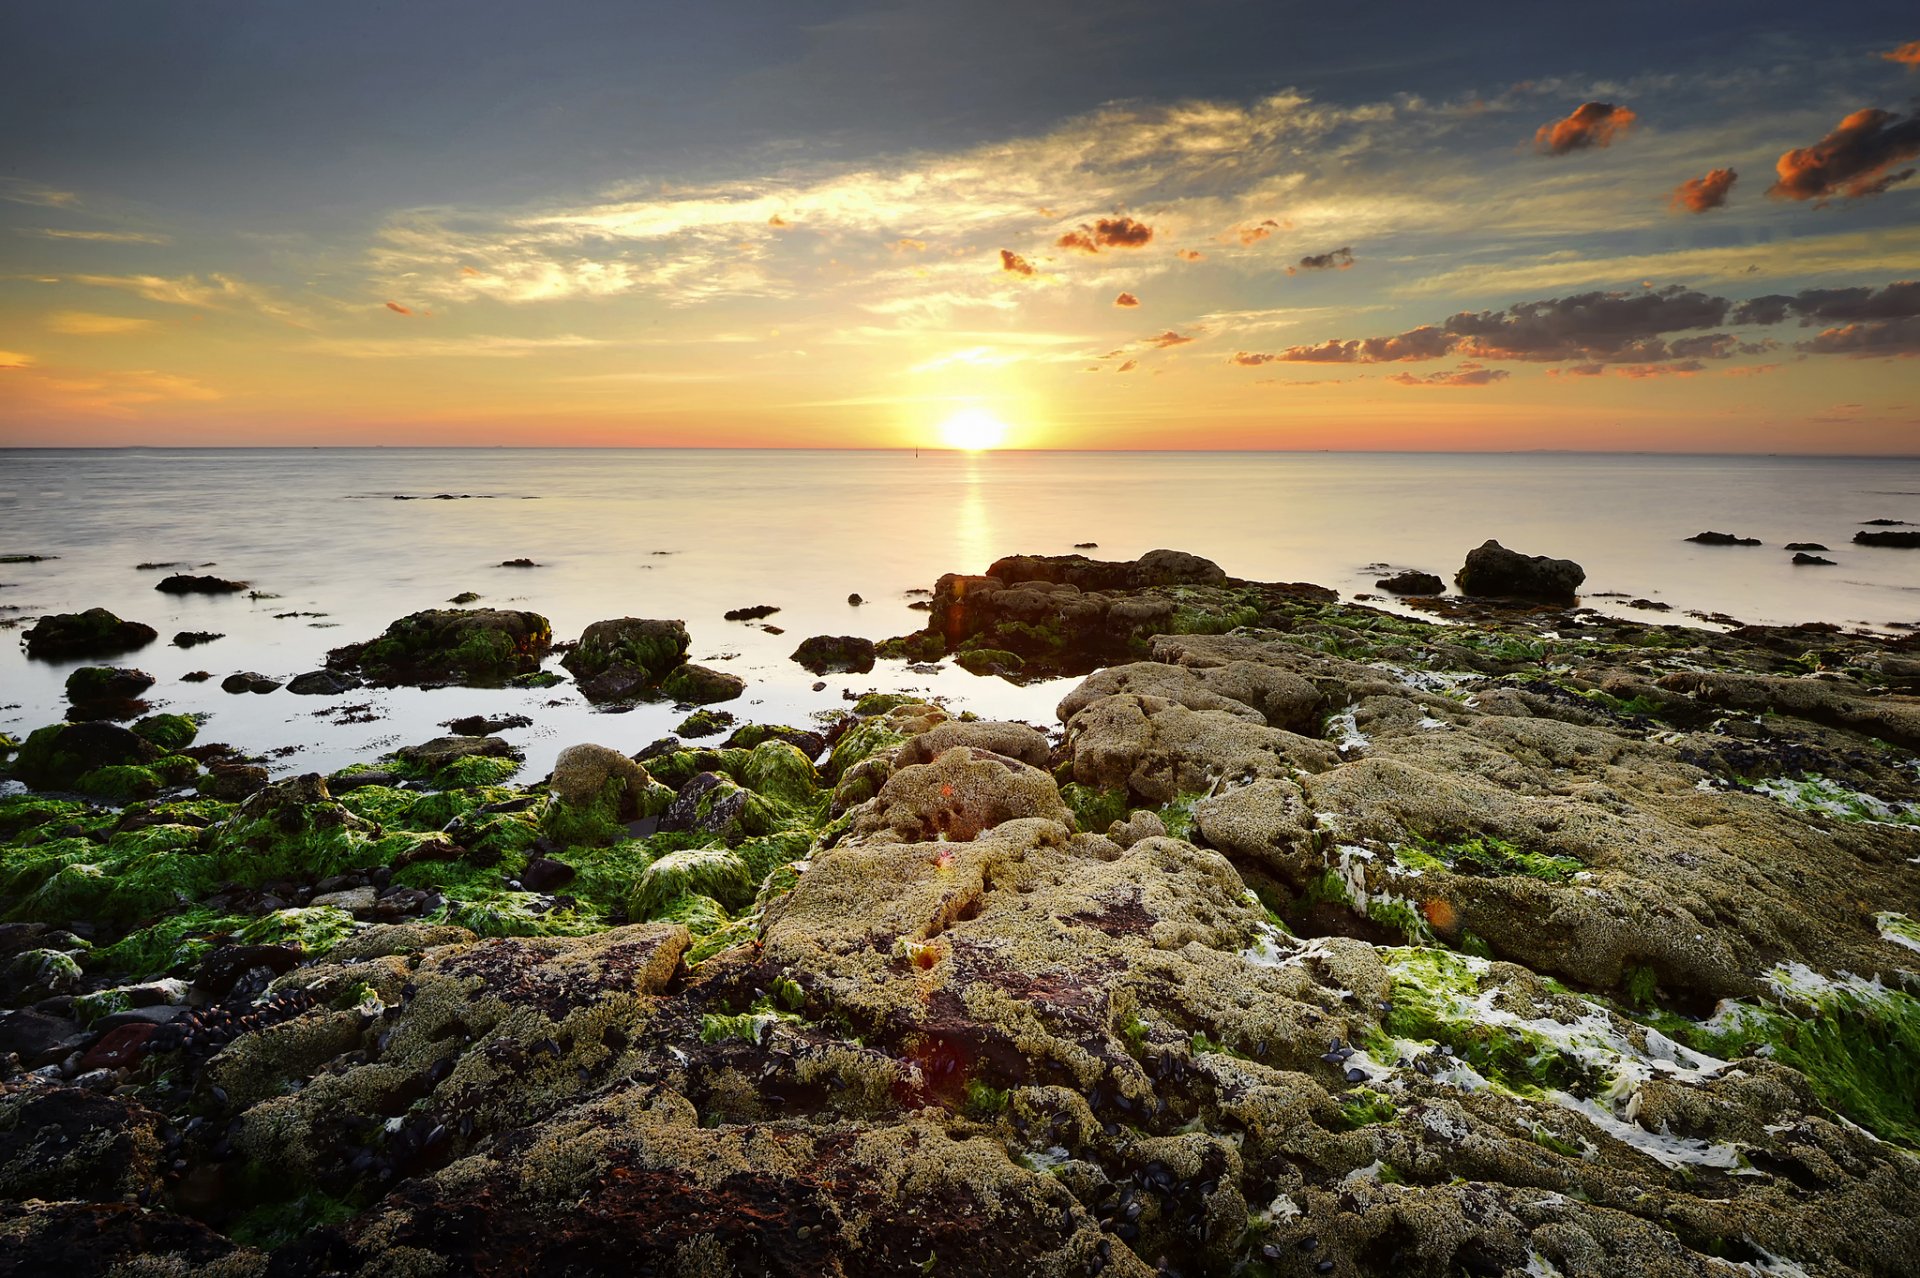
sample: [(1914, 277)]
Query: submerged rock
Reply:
[(1805, 559), (93, 633), (323, 683), (823, 654), (1723, 539), (1411, 583), (249, 681), (1492, 569), (188, 584), (478, 646)]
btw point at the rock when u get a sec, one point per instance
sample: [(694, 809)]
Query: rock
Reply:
[(93, 633), (186, 584), (754, 613), (1898, 540), (194, 638), (1153, 749), (106, 683), (712, 803), (1245, 689), (854, 600), (232, 782), (196, 676), (596, 792), (172, 733), (1884, 523), (626, 658), (70, 1143), (1411, 583), (480, 725), (697, 685), (479, 647), (323, 683), (544, 874), (435, 756), (715, 873), (249, 681), (1086, 545), (1805, 545), (1812, 559), (465, 597), (63, 756), (518, 563), (704, 723), (1723, 539), (1491, 569), (37, 1038), (1140, 824), (960, 794), (823, 654), (358, 900), (1016, 741)]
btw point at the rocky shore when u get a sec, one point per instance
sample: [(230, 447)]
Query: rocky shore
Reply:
[(1311, 939)]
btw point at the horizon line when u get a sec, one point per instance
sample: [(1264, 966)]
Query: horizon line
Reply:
[(960, 452)]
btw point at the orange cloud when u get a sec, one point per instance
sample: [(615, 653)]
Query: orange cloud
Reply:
[(1166, 339), (1907, 55), (398, 309), (908, 246), (1128, 367), (1189, 255), (15, 359), (1260, 230), (1425, 342), (1465, 375), (1592, 124), (1126, 299), (1107, 232), (1252, 359), (1339, 259), (1012, 261), (1697, 195), (1853, 160), (777, 220), (468, 270)]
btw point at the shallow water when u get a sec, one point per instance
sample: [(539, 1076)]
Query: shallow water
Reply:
[(690, 534)]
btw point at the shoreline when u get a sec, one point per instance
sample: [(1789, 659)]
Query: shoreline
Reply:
[(1300, 911)]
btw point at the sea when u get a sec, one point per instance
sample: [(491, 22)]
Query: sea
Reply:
[(336, 543)]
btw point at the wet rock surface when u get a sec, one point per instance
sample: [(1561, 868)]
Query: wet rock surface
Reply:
[(93, 633), (481, 646), (1329, 940)]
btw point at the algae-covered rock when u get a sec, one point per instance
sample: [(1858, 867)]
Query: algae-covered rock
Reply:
[(596, 792), (716, 873), (626, 657), (461, 760), (106, 683), (58, 757), (1155, 749), (823, 654), (779, 771), (476, 646), (961, 793), (700, 686), (711, 803), (172, 733), (93, 633)]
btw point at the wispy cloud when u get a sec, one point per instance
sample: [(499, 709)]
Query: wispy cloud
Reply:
[(21, 191), (480, 346), (95, 237), (89, 324), (216, 292)]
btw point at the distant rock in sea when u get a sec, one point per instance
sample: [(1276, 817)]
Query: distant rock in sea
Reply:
[(1723, 539)]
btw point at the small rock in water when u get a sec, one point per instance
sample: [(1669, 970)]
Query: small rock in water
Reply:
[(249, 681), (186, 584), (824, 653), (754, 613), (1723, 539), (855, 600), (1412, 583), (518, 563), (1804, 545), (193, 638), (1812, 559), (1900, 540), (196, 676), (322, 683), (1086, 545)]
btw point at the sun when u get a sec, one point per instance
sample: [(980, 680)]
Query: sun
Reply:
[(973, 430)]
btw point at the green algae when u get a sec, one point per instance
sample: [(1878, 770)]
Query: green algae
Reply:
[(1488, 855), (866, 738), (505, 913), (713, 872), (1365, 1107), (1094, 809), (779, 772), (981, 661), (171, 732), (314, 928), (171, 945)]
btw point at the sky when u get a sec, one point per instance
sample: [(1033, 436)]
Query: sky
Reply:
[(1688, 227)]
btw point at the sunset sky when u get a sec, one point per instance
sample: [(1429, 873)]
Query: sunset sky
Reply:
[(1683, 227)]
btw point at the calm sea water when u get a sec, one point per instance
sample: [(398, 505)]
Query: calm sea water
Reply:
[(690, 534)]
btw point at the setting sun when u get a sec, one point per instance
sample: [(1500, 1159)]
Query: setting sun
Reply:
[(973, 430)]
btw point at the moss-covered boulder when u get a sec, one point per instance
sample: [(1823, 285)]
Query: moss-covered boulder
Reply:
[(625, 658), (479, 647), (823, 654), (711, 803), (715, 873), (170, 732), (957, 796), (106, 683), (93, 633), (779, 771), (57, 757), (462, 760), (698, 685), (596, 792)]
